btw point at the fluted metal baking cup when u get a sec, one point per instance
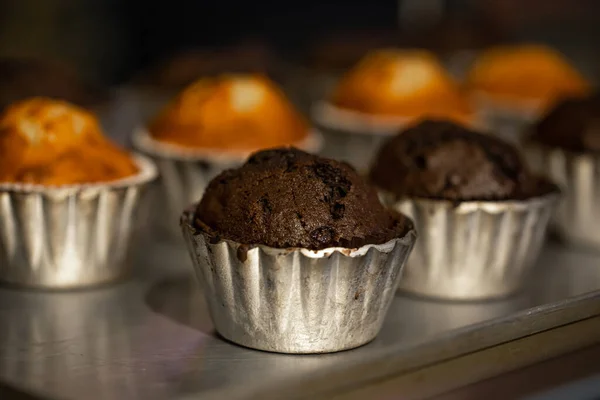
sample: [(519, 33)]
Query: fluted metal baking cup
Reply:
[(354, 136), (473, 249), (71, 236), (577, 217), (185, 173), (296, 300)]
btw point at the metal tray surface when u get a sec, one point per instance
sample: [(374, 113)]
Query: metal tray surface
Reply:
[(152, 338)]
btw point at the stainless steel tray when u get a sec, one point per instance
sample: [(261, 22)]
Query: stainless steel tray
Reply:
[(151, 338)]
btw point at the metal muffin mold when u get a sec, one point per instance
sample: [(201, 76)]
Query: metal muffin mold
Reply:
[(296, 300), (474, 249), (185, 173), (69, 236), (577, 217)]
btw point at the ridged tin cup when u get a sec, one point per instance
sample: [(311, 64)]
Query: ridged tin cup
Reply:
[(577, 217), (185, 173), (474, 249), (296, 300), (69, 236)]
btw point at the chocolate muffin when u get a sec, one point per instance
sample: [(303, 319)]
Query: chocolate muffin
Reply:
[(574, 124), (438, 159), (565, 146), (286, 198), (481, 215)]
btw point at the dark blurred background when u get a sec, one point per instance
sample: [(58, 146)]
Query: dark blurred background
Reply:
[(109, 40)]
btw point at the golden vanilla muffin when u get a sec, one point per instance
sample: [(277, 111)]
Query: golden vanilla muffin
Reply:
[(401, 83), (230, 112), (525, 74), (51, 142)]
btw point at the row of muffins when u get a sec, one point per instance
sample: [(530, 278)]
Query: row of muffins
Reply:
[(336, 206), (295, 253), (384, 92), (68, 197), (274, 239)]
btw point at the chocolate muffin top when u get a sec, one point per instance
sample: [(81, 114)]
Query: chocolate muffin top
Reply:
[(286, 198), (441, 160), (574, 124)]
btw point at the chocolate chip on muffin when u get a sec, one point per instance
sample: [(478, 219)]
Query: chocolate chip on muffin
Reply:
[(286, 198)]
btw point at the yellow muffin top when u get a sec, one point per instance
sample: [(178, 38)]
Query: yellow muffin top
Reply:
[(51, 142), (537, 73), (230, 112), (402, 83)]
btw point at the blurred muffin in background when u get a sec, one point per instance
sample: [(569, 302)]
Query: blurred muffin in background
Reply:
[(511, 86), (316, 71), (228, 113), (565, 145), (184, 67), (524, 76), (23, 78), (386, 90), (213, 125), (401, 83), (51, 142)]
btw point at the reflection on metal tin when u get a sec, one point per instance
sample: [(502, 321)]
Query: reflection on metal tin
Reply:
[(69, 236), (473, 250), (577, 218), (297, 300), (185, 174)]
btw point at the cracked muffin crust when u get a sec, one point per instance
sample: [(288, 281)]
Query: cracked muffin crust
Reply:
[(51, 142), (287, 198), (438, 159)]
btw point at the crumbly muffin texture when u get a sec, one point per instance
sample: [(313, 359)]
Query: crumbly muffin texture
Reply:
[(50, 142), (441, 160), (574, 124), (286, 198)]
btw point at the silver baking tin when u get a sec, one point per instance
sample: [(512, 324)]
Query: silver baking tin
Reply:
[(69, 236), (577, 217), (474, 249), (296, 300), (185, 173)]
